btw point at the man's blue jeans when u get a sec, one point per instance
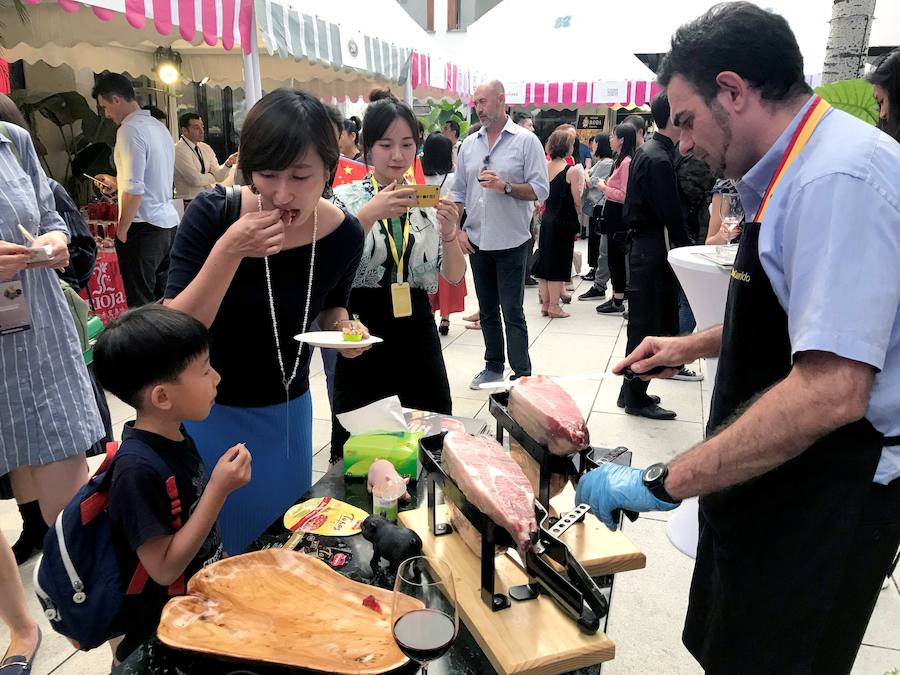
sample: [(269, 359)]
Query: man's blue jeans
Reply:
[(500, 284)]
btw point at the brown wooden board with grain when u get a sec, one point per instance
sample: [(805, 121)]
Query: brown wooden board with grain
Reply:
[(284, 607)]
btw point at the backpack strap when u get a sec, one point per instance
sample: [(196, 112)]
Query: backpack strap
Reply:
[(141, 576)]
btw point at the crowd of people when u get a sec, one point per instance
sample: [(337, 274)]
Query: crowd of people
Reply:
[(265, 249)]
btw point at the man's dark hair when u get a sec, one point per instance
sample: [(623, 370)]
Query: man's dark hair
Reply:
[(604, 150), (380, 115), (109, 84), (660, 110), (637, 122), (437, 155), (887, 75), (282, 126), (185, 119), (156, 113), (453, 125), (737, 36), (147, 346), (520, 115)]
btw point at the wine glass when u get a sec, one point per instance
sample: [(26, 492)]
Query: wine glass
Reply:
[(732, 213), (423, 614)]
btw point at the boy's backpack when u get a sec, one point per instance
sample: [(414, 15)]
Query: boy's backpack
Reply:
[(78, 579)]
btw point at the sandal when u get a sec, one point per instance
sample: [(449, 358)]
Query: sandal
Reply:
[(19, 664), (473, 317), (444, 328), (566, 299), (475, 325), (558, 313)]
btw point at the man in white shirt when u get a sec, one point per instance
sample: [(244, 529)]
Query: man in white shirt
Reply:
[(144, 157), (451, 131), (196, 165)]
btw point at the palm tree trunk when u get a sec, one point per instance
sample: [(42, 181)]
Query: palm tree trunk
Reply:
[(848, 40)]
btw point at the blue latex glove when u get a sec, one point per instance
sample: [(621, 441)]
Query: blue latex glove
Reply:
[(615, 486)]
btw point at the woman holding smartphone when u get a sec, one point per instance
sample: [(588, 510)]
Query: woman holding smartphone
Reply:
[(406, 248)]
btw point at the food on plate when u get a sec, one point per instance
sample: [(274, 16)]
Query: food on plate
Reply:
[(493, 482), (352, 330), (549, 415)]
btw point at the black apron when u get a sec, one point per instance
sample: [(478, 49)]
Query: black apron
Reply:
[(772, 551)]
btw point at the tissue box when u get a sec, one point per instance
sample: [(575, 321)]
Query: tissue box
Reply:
[(401, 449)]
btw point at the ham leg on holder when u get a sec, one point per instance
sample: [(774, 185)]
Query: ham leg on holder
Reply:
[(493, 482), (547, 413)]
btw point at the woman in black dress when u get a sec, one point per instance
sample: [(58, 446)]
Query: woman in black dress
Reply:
[(560, 224)]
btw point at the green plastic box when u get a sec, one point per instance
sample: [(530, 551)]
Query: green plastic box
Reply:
[(401, 449)]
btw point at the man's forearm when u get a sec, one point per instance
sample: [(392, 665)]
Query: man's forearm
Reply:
[(523, 191), (822, 393), (706, 344), (128, 208)]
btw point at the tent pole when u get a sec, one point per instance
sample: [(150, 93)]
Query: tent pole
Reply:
[(252, 80)]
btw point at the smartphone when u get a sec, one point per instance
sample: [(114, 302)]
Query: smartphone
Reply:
[(426, 195)]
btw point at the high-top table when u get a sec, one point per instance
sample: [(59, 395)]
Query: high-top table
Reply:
[(705, 284)]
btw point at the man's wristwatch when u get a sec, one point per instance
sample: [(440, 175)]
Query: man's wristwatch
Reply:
[(655, 481), (507, 189)]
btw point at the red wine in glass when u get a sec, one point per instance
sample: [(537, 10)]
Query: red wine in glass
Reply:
[(424, 615), (424, 635)]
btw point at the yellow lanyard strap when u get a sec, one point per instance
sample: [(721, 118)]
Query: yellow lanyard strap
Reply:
[(398, 257)]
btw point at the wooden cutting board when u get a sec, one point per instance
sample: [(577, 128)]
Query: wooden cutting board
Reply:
[(533, 637), (597, 549), (283, 607)]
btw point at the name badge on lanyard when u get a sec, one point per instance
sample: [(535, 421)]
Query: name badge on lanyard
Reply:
[(15, 316), (401, 296)]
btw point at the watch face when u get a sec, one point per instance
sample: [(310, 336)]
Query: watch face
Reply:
[(654, 473)]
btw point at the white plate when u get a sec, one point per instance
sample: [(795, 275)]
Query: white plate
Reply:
[(333, 339)]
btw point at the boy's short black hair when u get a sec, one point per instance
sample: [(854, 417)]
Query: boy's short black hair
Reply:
[(146, 346), (637, 122), (108, 85), (453, 124)]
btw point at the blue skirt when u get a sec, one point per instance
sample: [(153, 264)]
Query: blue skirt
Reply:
[(279, 438)]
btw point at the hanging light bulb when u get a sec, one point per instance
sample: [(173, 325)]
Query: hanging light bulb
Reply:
[(168, 65)]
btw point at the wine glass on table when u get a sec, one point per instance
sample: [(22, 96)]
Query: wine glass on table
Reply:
[(423, 615), (732, 213)]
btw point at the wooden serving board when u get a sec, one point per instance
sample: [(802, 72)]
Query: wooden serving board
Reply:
[(533, 637), (283, 607)]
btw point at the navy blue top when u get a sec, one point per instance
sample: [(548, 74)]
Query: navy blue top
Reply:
[(243, 342)]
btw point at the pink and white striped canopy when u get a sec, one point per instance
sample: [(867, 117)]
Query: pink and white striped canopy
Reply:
[(225, 20), (575, 94)]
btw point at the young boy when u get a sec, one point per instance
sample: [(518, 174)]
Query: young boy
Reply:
[(157, 360)]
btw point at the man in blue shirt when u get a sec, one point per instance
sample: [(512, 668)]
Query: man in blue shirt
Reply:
[(145, 161), (500, 172), (799, 478)]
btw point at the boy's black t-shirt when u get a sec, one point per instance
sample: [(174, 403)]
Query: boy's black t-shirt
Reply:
[(140, 509)]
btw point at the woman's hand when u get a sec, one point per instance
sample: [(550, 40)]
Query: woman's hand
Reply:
[(600, 185), (356, 351), (255, 235), (448, 217), (59, 254), (389, 202), (13, 259)]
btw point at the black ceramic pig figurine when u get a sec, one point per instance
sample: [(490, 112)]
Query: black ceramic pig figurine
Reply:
[(391, 542)]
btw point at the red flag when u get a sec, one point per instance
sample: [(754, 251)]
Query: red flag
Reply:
[(349, 170), (414, 174), (5, 86)]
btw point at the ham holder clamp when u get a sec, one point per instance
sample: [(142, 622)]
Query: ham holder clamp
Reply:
[(576, 593), (571, 467)]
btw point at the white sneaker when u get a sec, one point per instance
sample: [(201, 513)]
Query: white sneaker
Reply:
[(688, 375)]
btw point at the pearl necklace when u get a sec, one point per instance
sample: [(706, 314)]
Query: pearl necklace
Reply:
[(285, 380)]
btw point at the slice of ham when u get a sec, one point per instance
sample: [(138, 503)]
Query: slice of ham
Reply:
[(493, 482), (549, 415)]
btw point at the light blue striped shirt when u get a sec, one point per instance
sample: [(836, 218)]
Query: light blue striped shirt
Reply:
[(494, 221), (47, 407), (830, 245), (145, 166)]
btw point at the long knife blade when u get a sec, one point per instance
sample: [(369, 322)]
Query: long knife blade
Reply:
[(625, 373)]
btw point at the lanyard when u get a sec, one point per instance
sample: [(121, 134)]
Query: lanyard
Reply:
[(398, 256), (801, 137)]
